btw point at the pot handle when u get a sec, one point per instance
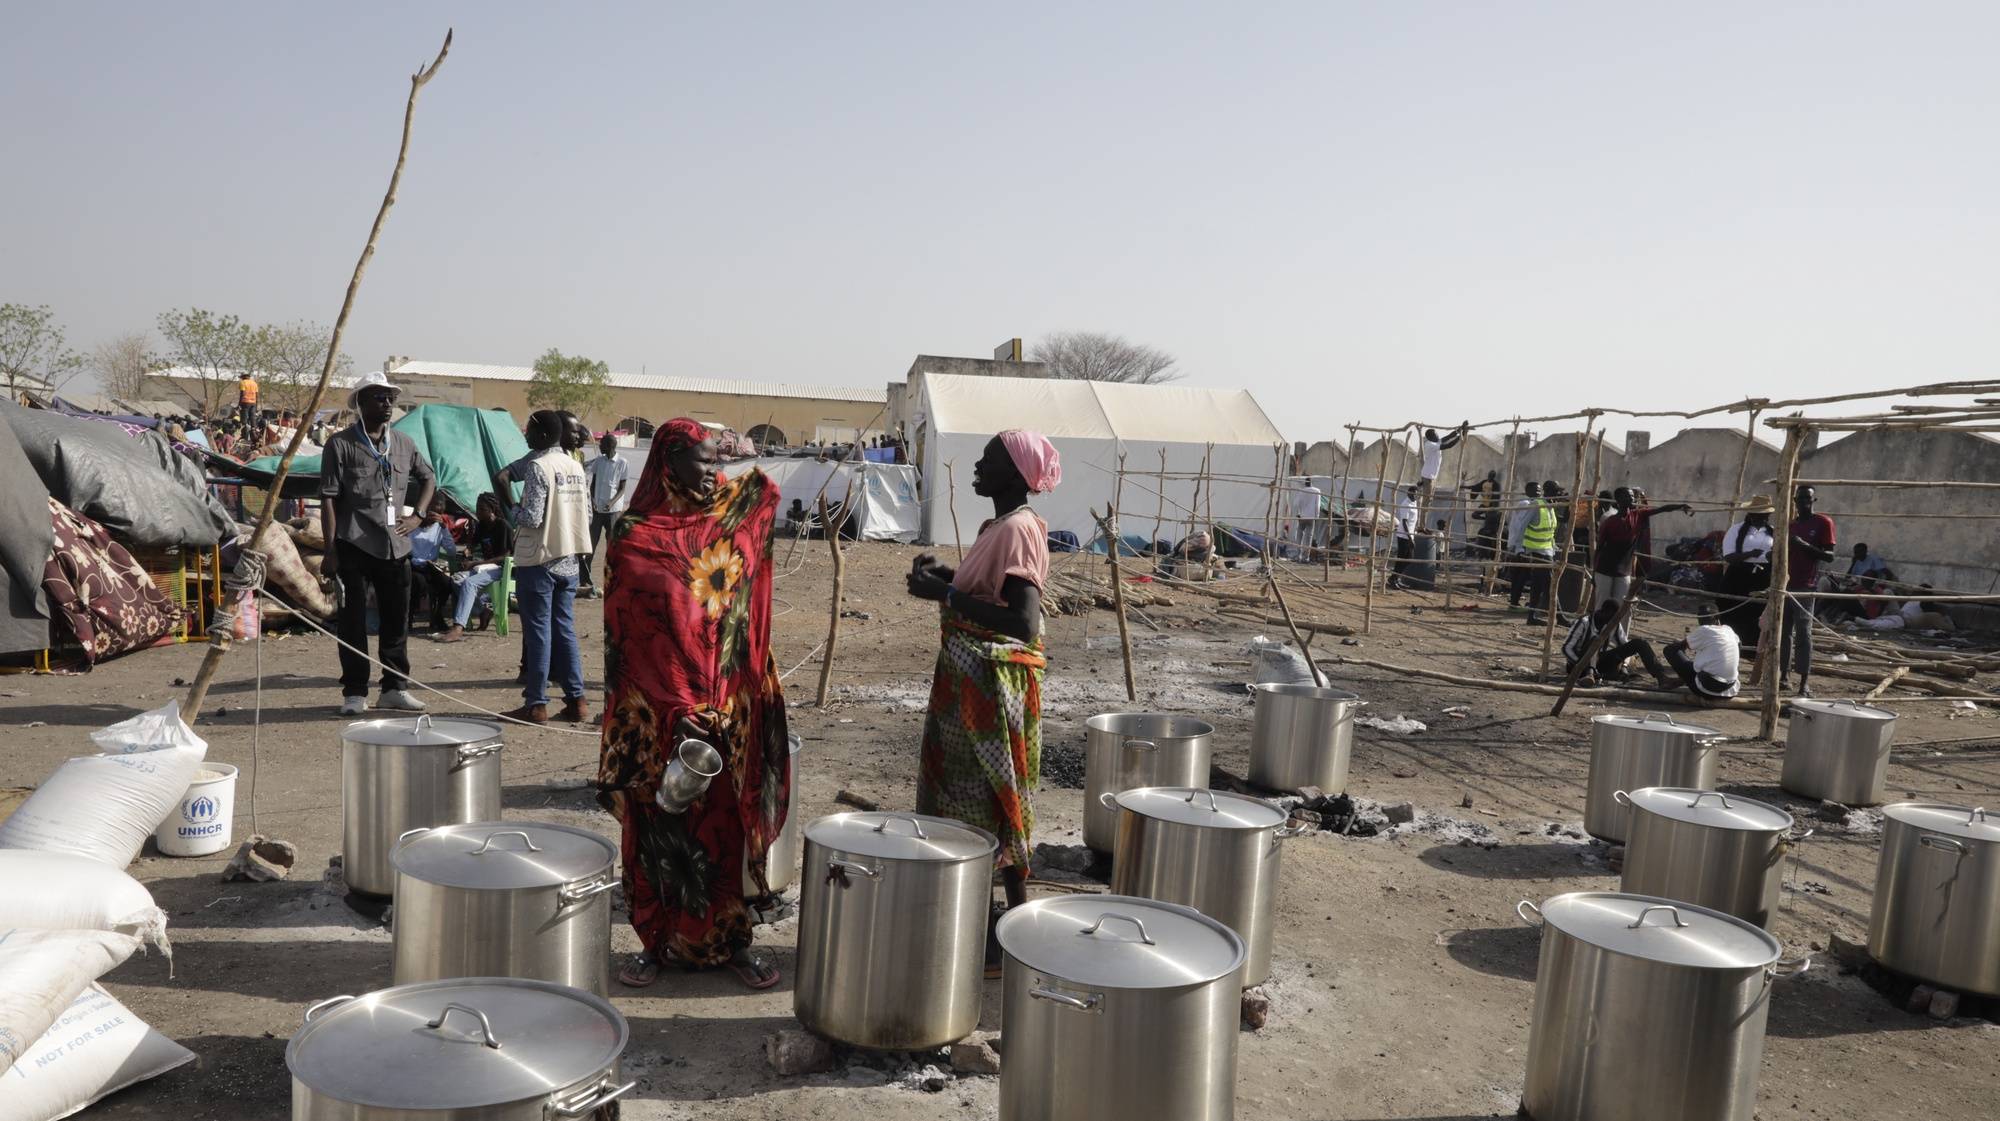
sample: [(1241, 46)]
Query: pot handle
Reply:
[(571, 896), (491, 837), (1308, 822), (407, 834), (1093, 927), (1212, 807), (836, 866), (1143, 745), (591, 1100), (1523, 907), (485, 1025), (1710, 794), (1788, 967), (1080, 1003), (1622, 798), (470, 752), (1109, 801), (918, 826), (1794, 838), (315, 1009), (1934, 841), (1667, 907)]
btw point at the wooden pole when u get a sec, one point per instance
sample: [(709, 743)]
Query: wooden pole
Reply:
[(1444, 547), (1305, 648), (219, 635), (1596, 484), (839, 579), (1743, 466), (1108, 524), (1595, 644), (1506, 515), (951, 504), (1649, 696), (1208, 489), (1326, 529), (1564, 536), (1374, 539), (1160, 514), (1771, 645)]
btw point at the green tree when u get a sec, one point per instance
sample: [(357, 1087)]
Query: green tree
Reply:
[(212, 350), (287, 359), (33, 352), (570, 382)]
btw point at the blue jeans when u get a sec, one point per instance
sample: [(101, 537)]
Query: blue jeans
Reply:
[(548, 634), (469, 588)]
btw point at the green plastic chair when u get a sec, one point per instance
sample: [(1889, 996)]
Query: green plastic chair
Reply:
[(499, 591)]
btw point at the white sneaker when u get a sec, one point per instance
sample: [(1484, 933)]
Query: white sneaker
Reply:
[(400, 700), (354, 706)]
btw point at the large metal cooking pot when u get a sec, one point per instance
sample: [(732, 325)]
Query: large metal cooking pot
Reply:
[(1711, 849), (1838, 751), (475, 1049), (1118, 1007), (399, 775), (1647, 1009), (1302, 736), (1213, 851), (1124, 750), (892, 929), (1937, 896), (505, 899), (1630, 752), (781, 859)]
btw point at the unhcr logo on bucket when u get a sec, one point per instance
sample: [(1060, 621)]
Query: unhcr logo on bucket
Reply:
[(200, 814)]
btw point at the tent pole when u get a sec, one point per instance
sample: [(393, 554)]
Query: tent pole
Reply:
[(839, 578), (951, 503), (1505, 499), (1444, 546), (1374, 538), (1771, 645), (1565, 536)]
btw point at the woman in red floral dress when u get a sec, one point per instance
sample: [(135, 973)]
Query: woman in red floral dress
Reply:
[(687, 628)]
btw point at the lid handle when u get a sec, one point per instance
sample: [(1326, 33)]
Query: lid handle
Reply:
[(492, 837), (1978, 814), (1664, 718), (1711, 794), (1101, 919), (915, 825), (423, 722), (485, 1025), (1213, 808), (1641, 920), (1143, 745), (315, 1009)]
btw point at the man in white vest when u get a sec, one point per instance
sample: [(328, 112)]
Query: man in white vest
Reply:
[(551, 529)]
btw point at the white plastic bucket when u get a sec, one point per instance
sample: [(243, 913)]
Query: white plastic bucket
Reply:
[(199, 825)]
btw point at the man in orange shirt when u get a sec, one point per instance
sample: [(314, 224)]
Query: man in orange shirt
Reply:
[(246, 402)]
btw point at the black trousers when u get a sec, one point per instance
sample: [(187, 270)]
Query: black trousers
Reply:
[(1609, 659), (1698, 683), (600, 522), (390, 579)]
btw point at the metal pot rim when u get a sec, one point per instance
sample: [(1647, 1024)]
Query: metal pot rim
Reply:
[(1193, 795), (1310, 692), (1196, 728), (1689, 806), (1853, 710), (992, 842), (1764, 938), (499, 828), (1967, 823), (420, 731)]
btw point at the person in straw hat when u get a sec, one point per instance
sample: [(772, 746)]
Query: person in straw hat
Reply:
[(366, 472), (1746, 572)]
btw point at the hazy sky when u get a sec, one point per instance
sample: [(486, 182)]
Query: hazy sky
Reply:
[(1359, 211)]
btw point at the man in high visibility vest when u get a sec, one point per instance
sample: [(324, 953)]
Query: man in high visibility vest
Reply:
[(1538, 548), (246, 403)]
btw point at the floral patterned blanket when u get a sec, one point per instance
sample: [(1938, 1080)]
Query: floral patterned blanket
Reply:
[(98, 594)]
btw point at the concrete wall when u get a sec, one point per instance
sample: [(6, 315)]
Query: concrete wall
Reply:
[(1700, 466), (1554, 457), (1323, 458), (1956, 554), (798, 418)]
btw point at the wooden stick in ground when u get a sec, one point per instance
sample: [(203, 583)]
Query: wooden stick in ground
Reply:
[(1595, 644), (1882, 686), (833, 527), (1160, 512), (1305, 648), (1506, 500), (1108, 525), (1749, 444), (1333, 502), (1771, 647), (219, 636), (1374, 539), (1565, 534), (951, 504)]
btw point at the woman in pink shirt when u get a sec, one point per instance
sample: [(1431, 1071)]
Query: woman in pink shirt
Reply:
[(982, 750)]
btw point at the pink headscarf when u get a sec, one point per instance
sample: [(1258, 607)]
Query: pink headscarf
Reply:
[(1034, 457)]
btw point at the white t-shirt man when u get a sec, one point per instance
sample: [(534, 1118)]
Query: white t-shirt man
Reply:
[(1433, 458), (1406, 517), (1715, 651), (608, 492)]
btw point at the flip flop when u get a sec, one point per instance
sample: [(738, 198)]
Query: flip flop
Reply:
[(640, 972), (748, 973)]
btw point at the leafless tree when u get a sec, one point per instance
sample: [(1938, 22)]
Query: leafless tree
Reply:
[(122, 363), (1095, 356), (33, 352)]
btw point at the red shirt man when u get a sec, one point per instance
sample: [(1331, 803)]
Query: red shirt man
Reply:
[(1619, 534), (1814, 531)]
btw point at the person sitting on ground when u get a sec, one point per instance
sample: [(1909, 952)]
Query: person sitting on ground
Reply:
[(431, 549), (1707, 660), (1867, 574), (795, 518), (1607, 666), (492, 542)]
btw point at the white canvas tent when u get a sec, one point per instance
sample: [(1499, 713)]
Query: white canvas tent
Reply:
[(954, 415)]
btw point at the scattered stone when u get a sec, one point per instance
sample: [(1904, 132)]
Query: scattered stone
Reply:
[(178, 682), (1065, 858), (567, 782), (1402, 813), (1311, 794), (260, 860), (1849, 950), (867, 1076), (1920, 999), (1944, 1005), (793, 1053), (1404, 774), (1256, 1009), (850, 798), (1832, 811), (974, 1056), (1465, 801), (1062, 766)]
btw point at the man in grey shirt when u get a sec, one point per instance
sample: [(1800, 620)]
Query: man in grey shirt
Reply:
[(365, 475)]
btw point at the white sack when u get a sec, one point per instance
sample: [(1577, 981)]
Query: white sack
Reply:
[(62, 891), (41, 971), (105, 806), (95, 1048), (1278, 664)]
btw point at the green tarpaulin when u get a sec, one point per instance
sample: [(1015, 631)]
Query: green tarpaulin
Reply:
[(465, 446)]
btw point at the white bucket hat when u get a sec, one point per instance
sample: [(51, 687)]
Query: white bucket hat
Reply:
[(373, 379)]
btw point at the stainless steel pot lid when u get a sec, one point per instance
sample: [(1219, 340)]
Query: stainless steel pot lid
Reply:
[(1311, 692), (1210, 809), (504, 854), (421, 731), (1853, 710), (1710, 807), (1119, 942), (1150, 726), (1969, 822), (1658, 722), (897, 836), (401, 1049), (1671, 932)]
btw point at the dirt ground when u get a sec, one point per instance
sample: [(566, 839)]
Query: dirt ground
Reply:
[(1402, 979)]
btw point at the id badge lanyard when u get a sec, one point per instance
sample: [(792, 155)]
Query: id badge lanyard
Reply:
[(388, 474)]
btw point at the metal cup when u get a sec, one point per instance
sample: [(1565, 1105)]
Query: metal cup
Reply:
[(688, 773)]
